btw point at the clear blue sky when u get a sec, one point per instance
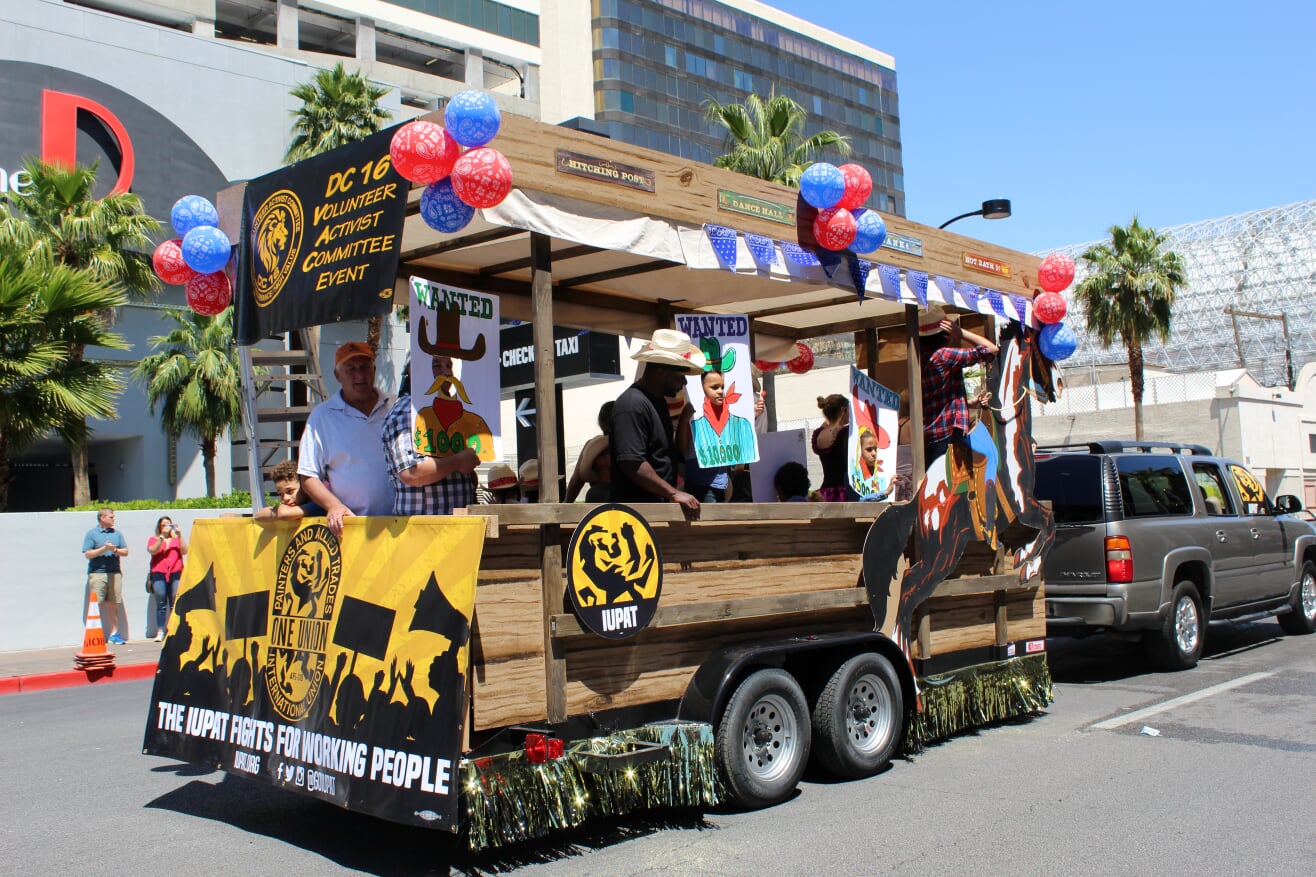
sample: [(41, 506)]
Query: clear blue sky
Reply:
[(1085, 113)]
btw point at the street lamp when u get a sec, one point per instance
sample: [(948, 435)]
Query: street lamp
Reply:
[(996, 208)]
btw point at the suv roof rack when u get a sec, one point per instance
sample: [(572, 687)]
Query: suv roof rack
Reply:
[(1115, 446)]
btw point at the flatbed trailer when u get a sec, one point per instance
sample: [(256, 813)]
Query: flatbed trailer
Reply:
[(433, 670)]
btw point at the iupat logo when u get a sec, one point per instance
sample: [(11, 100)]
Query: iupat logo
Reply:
[(303, 610), (277, 229)]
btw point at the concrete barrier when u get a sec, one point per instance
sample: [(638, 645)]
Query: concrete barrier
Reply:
[(43, 575)]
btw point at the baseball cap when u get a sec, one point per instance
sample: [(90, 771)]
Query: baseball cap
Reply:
[(351, 349)]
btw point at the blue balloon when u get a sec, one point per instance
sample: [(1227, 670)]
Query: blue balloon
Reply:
[(206, 249), (192, 211), (472, 118), (822, 185), (442, 210), (1057, 342), (869, 232)]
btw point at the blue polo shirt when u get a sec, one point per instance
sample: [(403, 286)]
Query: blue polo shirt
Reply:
[(96, 537)]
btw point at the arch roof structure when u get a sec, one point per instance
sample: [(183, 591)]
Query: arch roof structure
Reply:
[(1261, 265)]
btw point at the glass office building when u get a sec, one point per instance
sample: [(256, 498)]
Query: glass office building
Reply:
[(657, 61)]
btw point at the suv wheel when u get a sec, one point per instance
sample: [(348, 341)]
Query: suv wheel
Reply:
[(1302, 617), (1178, 644)]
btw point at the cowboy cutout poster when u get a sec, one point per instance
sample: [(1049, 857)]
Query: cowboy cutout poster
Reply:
[(723, 424), (454, 371), (875, 420)]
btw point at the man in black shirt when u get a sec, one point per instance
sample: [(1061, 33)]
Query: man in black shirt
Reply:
[(644, 452)]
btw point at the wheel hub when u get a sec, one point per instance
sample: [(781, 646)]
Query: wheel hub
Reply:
[(1309, 595), (768, 738), (1185, 625), (868, 714)]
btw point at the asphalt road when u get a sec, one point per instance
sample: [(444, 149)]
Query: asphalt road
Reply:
[(1228, 787)]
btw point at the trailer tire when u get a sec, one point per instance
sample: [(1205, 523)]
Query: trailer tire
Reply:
[(762, 740), (857, 719)]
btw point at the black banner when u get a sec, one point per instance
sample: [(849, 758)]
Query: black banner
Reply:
[(320, 241)]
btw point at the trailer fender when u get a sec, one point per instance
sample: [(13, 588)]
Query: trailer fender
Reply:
[(811, 659)]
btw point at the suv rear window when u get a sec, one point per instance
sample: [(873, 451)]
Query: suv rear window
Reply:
[(1153, 485), (1072, 484)]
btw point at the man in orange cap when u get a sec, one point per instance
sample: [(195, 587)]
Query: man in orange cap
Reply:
[(341, 460)]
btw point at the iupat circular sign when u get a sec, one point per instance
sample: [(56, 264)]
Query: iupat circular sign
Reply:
[(614, 572)]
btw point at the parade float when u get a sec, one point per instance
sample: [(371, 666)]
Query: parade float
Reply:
[(511, 670)]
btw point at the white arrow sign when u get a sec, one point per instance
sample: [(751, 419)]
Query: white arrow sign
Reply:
[(524, 412)]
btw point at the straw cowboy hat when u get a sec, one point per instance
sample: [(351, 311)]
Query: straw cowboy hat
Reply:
[(589, 454), (672, 348), (501, 477), (530, 473), (929, 321)]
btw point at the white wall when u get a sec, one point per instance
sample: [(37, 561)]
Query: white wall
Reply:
[(43, 581)]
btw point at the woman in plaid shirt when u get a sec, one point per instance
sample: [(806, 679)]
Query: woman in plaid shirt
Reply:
[(945, 410)]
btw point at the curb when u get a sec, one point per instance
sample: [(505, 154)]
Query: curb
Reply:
[(70, 678)]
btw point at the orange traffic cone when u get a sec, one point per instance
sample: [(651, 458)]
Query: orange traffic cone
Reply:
[(94, 655)]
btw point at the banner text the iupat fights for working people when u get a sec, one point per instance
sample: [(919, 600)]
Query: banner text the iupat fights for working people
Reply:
[(333, 755)]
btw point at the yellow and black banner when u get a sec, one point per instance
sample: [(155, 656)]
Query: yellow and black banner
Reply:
[(614, 571), (336, 668), (320, 241)]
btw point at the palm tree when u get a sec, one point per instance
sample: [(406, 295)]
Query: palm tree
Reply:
[(46, 312), (765, 138), (338, 107), (195, 378), (60, 219), (1130, 294)]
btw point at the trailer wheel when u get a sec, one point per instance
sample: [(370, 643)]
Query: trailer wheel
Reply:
[(762, 740), (857, 718)]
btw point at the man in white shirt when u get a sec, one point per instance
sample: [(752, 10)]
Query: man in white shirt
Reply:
[(341, 460)]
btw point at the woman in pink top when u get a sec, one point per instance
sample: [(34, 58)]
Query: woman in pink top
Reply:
[(166, 548)]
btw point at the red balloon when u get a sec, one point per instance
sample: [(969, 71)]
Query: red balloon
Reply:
[(835, 228), (766, 365), (209, 294), (1050, 307), (803, 360), (167, 260), (858, 186), (482, 177), (423, 152), (1056, 272)]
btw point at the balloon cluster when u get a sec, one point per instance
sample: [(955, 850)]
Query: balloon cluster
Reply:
[(1056, 340), (838, 192), (455, 182), (196, 258)]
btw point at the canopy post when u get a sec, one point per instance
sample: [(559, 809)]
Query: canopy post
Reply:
[(915, 381), (552, 584)]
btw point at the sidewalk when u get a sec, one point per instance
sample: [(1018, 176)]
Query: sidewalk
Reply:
[(43, 669)]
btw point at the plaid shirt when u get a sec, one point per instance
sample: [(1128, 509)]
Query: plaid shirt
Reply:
[(454, 492), (944, 407)]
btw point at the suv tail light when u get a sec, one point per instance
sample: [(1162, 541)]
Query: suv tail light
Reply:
[(1119, 559)]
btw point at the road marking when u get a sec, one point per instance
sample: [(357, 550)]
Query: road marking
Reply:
[(1192, 697)]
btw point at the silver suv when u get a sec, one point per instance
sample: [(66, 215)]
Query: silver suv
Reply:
[(1156, 539)]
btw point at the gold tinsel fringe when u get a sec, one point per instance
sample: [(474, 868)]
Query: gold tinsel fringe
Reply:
[(978, 695), (508, 799)]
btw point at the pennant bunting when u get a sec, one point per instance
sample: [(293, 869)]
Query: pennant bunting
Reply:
[(890, 278), (830, 261), (997, 303), (918, 281), (859, 269), (798, 254), (1020, 306), (723, 240), (969, 292), (762, 249), (946, 287)]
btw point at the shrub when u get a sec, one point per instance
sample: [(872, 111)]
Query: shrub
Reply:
[(238, 499)]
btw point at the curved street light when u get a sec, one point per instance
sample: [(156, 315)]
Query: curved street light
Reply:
[(995, 208)]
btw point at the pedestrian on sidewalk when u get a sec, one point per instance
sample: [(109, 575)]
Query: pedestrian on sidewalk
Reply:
[(103, 546), (166, 548)]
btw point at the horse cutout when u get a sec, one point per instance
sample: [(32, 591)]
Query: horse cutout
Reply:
[(981, 490)]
